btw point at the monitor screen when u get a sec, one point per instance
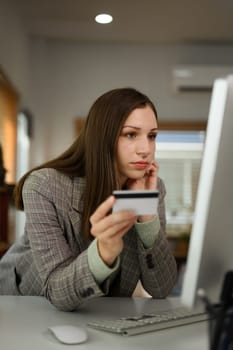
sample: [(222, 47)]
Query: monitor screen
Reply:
[(210, 253)]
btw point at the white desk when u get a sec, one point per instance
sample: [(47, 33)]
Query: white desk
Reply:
[(24, 322)]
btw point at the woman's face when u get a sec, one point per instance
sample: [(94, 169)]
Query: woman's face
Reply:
[(136, 144)]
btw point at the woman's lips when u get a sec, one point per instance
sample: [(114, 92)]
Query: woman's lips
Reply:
[(140, 165)]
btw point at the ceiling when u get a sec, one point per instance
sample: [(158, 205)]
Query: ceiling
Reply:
[(136, 21)]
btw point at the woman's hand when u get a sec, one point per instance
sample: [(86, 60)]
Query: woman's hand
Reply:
[(147, 182), (109, 229)]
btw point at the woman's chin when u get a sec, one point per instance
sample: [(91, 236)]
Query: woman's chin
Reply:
[(136, 176)]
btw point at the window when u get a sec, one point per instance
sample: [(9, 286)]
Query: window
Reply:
[(179, 153)]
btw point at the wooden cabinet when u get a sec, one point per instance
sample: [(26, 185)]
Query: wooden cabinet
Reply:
[(9, 106)]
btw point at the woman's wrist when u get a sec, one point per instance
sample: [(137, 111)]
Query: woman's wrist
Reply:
[(106, 257), (98, 268)]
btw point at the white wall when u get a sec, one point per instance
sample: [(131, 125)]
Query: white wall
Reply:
[(14, 49), (69, 76)]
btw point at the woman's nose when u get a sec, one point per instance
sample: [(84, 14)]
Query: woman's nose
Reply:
[(143, 147)]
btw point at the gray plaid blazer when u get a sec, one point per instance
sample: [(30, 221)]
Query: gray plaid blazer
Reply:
[(50, 259)]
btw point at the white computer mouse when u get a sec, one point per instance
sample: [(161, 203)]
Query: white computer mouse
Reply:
[(68, 334)]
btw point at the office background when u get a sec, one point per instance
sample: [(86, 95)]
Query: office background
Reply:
[(59, 68), (58, 79)]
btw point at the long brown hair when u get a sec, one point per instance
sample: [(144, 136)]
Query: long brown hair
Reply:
[(92, 155)]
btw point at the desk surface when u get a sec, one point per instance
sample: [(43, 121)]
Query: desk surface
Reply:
[(24, 323)]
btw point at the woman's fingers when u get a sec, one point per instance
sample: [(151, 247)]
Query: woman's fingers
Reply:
[(102, 210), (152, 169), (109, 224), (112, 223), (110, 246)]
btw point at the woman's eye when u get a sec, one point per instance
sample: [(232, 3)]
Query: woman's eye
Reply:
[(152, 136), (130, 135)]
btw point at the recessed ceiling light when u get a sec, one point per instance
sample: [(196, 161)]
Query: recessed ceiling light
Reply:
[(103, 18)]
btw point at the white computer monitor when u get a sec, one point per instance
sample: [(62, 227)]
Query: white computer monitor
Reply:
[(210, 253)]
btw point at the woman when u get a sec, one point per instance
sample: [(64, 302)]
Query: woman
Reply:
[(74, 248)]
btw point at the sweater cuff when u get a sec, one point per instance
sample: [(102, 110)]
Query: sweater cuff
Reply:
[(148, 231), (98, 268)]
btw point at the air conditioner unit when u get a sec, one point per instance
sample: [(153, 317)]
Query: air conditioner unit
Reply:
[(198, 77)]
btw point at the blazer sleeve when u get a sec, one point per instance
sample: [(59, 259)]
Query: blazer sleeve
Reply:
[(157, 263), (66, 279)]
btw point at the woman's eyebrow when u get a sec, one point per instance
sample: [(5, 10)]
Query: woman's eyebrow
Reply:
[(137, 128)]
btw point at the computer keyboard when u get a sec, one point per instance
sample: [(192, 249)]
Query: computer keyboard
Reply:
[(150, 322)]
